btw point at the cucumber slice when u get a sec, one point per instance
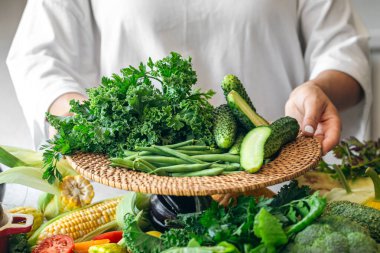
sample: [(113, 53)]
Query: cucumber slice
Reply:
[(252, 148), (244, 113)]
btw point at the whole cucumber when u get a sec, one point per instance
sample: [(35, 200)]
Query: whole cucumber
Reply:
[(225, 127)]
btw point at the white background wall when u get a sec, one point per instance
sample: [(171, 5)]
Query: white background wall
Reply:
[(13, 129)]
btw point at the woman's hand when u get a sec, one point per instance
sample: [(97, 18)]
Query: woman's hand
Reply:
[(61, 107), (316, 114), (315, 105)]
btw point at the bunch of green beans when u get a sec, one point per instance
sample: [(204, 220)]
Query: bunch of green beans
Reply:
[(184, 159)]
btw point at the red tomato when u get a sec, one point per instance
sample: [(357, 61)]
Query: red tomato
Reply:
[(55, 244), (113, 236)]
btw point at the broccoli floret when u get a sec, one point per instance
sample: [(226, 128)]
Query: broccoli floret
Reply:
[(340, 224), (311, 232), (356, 240), (365, 216), (331, 243), (333, 234)]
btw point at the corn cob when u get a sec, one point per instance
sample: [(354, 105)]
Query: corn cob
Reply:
[(75, 192), (80, 222), (37, 215)]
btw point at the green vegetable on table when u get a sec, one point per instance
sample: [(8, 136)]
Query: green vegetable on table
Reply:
[(333, 234), (243, 112), (170, 160), (225, 127), (251, 225), (263, 142), (127, 110), (235, 149), (18, 244), (202, 173), (355, 157), (366, 216), (269, 229), (252, 149), (222, 247), (240, 103), (283, 131)]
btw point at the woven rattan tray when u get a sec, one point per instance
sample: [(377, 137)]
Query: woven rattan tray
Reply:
[(295, 159)]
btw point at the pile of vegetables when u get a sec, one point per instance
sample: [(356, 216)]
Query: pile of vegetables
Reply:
[(180, 160), (252, 225), (173, 130), (127, 117), (294, 220)]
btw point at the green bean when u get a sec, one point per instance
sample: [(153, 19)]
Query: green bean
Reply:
[(230, 172), (218, 157), (227, 167), (181, 144), (122, 162), (129, 152), (199, 152), (146, 163), (152, 150), (164, 160), (194, 148), (137, 154), (139, 166), (201, 173), (183, 168), (175, 153)]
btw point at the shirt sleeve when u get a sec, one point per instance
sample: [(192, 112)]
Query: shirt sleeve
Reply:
[(334, 39), (53, 53)]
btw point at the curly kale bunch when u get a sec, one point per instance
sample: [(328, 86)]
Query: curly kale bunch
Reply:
[(128, 110)]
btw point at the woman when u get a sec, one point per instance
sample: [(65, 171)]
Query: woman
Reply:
[(307, 56)]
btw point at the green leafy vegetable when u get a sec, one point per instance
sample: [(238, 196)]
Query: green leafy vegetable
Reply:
[(250, 225), (18, 244), (289, 193), (128, 110), (135, 240), (355, 157), (269, 229)]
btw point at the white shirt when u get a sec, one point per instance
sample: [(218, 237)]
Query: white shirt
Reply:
[(271, 45)]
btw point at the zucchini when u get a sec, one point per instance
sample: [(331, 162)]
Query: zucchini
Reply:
[(247, 117), (284, 130), (263, 142), (252, 148), (225, 127)]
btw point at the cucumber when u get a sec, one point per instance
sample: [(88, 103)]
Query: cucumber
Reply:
[(225, 127), (284, 130), (263, 142), (247, 117), (235, 149), (231, 82), (252, 148)]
